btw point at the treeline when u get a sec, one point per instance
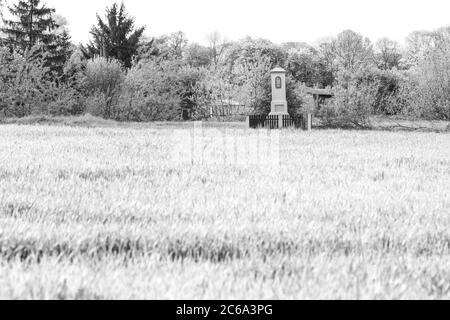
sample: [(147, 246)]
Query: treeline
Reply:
[(125, 76)]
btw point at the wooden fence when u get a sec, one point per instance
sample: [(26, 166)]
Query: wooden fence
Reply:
[(257, 121), (274, 121)]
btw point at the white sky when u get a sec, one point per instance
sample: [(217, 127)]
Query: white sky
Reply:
[(277, 20)]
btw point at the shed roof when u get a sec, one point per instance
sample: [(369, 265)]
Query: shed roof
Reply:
[(320, 92)]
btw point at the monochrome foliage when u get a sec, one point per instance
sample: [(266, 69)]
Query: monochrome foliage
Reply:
[(123, 75)]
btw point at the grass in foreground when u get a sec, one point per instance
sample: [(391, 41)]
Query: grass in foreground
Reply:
[(95, 213)]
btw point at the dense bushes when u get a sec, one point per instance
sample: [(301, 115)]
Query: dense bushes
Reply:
[(354, 101), (158, 90), (28, 87), (102, 84), (362, 94), (148, 93), (150, 90), (167, 78), (23, 83), (423, 92), (427, 93), (158, 87)]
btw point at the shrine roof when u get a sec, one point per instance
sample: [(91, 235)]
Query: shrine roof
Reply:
[(278, 70)]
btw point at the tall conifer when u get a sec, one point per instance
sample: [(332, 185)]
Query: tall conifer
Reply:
[(116, 37), (33, 24)]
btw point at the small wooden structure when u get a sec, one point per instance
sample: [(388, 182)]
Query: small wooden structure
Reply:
[(224, 108), (319, 95)]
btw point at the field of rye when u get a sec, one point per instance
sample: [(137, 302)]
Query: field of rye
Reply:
[(191, 212)]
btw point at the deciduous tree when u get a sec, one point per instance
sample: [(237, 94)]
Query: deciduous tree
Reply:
[(177, 42), (217, 46), (197, 56), (388, 54), (351, 50)]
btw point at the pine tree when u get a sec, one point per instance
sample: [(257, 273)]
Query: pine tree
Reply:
[(59, 52), (116, 37), (34, 25)]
